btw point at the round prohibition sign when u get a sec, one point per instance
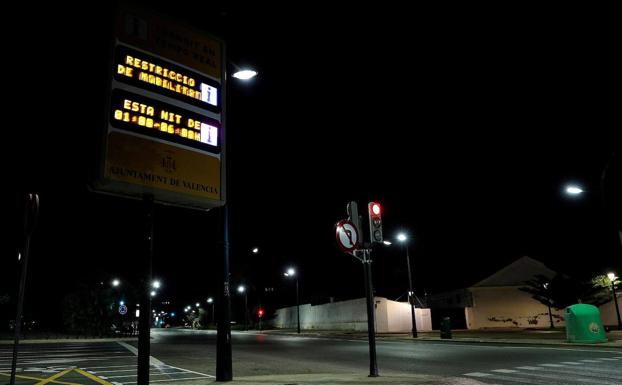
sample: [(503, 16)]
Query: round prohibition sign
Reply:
[(347, 236)]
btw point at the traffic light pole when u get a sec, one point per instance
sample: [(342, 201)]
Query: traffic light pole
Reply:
[(411, 295), (30, 218), (224, 367), (371, 319)]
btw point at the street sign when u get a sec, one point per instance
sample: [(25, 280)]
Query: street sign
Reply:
[(347, 236), (164, 134), (122, 309)]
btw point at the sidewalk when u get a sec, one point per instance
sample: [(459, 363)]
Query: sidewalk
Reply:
[(531, 337)]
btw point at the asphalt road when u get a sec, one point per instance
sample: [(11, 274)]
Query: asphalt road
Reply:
[(268, 354), (188, 356)]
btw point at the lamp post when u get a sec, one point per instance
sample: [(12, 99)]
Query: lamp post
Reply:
[(210, 300), (403, 238), (291, 272), (612, 277), (242, 290)]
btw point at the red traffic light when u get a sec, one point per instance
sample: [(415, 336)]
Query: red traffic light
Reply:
[(375, 208), (260, 312)]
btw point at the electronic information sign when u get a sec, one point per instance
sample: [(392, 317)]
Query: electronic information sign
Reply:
[(164, 133)]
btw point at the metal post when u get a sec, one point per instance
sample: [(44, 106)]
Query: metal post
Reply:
[(213, 320), (410, 296), (224, 370), (30, 219), (550, 316), (615, 300), (246, 310), (371, 335), (297, 304), (144, 317)]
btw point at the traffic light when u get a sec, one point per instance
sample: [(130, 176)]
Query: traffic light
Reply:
[(375, 222), (260, 312)]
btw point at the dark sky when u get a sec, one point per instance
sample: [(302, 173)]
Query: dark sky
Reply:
[(465, 124)]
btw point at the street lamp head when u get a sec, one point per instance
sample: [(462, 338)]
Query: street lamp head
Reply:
[(244, 74), (153, 293), (116, 282), (387, 243), (291, 272), (156, 284), (241, 289), (402, 237), (612, 277), (121, 303), (197, 304), (210, 300), (255, 250), (573, 190)]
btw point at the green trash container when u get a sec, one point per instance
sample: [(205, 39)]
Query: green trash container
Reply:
[(583, 324), (446, 328)]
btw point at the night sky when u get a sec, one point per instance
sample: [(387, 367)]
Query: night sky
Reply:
[(465, 126)]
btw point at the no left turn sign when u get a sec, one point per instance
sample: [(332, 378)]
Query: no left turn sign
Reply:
[(347, 236)]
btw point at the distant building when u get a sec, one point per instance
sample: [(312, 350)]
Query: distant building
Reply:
[(391, 316), (498, 302)]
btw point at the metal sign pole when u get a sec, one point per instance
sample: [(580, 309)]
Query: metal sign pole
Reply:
[(371, 335), (224, 370), (144, 321), (30, 218)]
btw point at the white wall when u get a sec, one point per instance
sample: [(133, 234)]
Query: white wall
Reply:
[(508, 307), (391, 316), (608, 311)]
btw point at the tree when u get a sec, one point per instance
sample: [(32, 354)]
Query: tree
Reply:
[(558, 292)]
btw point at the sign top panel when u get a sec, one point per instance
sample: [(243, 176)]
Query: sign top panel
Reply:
[(176, 42)]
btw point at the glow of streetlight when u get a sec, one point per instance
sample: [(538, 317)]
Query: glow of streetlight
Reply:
[(116, 282), (241, 289), (156, 284), (291, 272), (121, 303), (387, 243), (244, 74), (210, 300), (573, 190), (197, 304), (402, 237), (612, 277), (255, 250), (153, 293)]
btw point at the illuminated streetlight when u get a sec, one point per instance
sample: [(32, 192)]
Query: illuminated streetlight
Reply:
[(255, 250), (153, 293), (156, 284), (402, 238), (387, 243), (573, 190), (612, 278), (244, 74), (197, 304), (291, 272), (242, 290), (115, 282)]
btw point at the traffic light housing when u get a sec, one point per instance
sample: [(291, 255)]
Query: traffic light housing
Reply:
[(375, 222)]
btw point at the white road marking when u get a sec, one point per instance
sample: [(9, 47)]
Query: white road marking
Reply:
[(591, 361), (504, 371), (172, 379), (477, 374), (528, 368), (609, 359), (152, 359), (552, 365), (571, 363)]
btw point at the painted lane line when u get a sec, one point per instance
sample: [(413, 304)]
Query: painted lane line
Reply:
[(591, 361), (504, 371), (552, 365), (152, 359), (192, 371), (571, 363), (153, 369), (609, 359), (113, 366), (564, 373), (556, 378), (172, 379), (528, 368), (477, 374)]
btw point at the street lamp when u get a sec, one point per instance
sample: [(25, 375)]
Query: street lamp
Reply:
[(255, 250), (402, 238), (291, 272), (197, 304), (210, 300), (244, 74), (612, 278), (156, 284), (574, 190), (242, 290), (115, 282)]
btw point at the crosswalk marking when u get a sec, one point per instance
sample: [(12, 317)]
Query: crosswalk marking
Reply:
[(571, 363), (504, 371), (553, 365), (478, 374), (591, 361), (528, 368)]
